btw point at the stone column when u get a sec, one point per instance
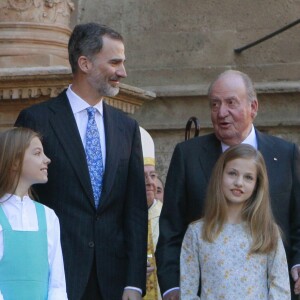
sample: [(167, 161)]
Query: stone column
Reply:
[(34, 32), (34, 64)]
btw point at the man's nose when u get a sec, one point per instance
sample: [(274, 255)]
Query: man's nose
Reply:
[(148, 180), (121, 72), (223, 111)]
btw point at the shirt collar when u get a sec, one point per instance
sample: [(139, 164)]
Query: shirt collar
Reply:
[(14, 198), (250, 139), (78, 104), (153, 203)]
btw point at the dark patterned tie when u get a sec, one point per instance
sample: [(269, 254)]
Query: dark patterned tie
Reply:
[(94, 154)]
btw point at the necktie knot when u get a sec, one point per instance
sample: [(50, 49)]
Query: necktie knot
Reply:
[(91, 112)]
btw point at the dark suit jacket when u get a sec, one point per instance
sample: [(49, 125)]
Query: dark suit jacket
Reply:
[(115, 233), (189, 172)]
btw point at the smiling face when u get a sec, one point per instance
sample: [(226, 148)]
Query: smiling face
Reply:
[(239, 181), (107, 68), (150, 180), (34, 168), (232, 113)]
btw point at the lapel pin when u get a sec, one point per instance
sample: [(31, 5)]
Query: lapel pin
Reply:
[(275, 158)]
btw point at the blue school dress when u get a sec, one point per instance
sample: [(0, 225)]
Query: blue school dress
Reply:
[(24, 268)]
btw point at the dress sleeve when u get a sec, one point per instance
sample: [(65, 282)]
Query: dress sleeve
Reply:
[(190, 265), (278, 276), (57, 281)]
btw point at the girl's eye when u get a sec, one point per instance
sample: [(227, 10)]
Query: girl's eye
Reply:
[(249, 177), (231, 173)]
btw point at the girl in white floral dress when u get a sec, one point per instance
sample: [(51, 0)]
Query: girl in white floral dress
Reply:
[(235, 252)]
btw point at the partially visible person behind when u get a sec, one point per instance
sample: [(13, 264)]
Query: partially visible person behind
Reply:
[(154, 210), (160, 189), (31, 262), (235, 249), (96, 181), (233, 106)]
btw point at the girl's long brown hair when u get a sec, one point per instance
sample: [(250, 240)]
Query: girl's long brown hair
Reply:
[(13, 144), (256, 212)]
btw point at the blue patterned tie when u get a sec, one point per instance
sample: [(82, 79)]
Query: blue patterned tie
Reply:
[(94, 155)]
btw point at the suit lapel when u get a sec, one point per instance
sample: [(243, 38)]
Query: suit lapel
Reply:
[(269, 151), (112, 140), (209, 153), (65, 128)]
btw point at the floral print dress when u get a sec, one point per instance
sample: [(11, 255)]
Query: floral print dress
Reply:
[(227, 271)]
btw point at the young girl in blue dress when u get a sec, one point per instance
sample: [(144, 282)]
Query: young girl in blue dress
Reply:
[(235, 249), (31, 263)]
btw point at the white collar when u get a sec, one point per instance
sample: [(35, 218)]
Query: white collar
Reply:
[(15, 198), (78, 104), (153, 203), (250, 139)]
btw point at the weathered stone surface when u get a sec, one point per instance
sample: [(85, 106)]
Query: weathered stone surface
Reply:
[(166, 117), (22, 87), (37, 11), (175, 48), (174, 42), (34, 32)]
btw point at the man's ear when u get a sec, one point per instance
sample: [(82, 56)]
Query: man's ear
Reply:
[(84, 64), (254, 108)]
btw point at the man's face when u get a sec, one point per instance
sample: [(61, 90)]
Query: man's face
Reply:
[(231, 112), (108, 68), (150, 180)]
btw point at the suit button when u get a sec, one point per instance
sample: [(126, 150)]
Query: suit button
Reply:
[(91, 244)]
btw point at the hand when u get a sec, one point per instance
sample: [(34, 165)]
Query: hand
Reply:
[(173, 295), (296, 276), (131, 295), (149, 269)]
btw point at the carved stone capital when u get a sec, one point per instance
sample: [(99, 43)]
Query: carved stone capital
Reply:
[(37, 11), (22, 87), (34, 33)]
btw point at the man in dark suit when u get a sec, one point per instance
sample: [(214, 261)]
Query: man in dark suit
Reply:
[(233, 106), (104, 245)]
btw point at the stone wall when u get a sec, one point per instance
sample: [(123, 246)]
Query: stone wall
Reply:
[(179, 43), (175, 48), (166, 118)]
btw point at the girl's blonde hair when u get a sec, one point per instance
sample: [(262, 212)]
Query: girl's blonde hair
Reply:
[(256, 212), (13, 144)]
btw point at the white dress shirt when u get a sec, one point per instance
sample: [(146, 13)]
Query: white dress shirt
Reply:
[(79, 106), (21, 215), (250, 140)]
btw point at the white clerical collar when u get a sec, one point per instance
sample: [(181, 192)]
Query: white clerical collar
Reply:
[(153, 203), (250, 139)]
